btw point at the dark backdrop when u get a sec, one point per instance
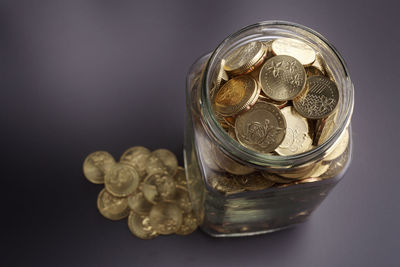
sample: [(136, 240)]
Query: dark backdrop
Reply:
[(79, 76)]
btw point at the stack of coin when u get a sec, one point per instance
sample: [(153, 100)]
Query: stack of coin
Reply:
[(280, 98), (147, 187)]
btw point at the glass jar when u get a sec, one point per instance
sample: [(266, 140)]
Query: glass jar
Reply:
[(221, 173)]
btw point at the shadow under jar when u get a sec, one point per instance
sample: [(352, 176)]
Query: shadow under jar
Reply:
[(237, 191)]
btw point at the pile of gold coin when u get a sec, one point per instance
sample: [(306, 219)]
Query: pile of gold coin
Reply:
[(147, 187), (275, 97)]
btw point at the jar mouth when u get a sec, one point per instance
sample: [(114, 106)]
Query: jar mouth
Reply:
[(270, 30)]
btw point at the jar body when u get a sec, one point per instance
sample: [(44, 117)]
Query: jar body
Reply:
[(227, 190)]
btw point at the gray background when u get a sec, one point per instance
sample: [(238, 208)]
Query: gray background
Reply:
[(79, 76)]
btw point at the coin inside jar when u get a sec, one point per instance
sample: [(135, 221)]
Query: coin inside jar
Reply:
[(157, 187), (96, 165), (165, 218), (122, 180), (253, 182), (245, 58), (262, 128), (282, 78), (236, 95), (320, 99), (295, 48), (111, 207), (296, 138)]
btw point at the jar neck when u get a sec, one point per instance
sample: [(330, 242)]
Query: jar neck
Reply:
[(265, 31)]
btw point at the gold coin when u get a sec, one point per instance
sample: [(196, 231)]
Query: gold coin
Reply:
[(111, 207), (165, 218), (189, 224), (230, 165), (253, 182), (96, 165), (320, 100), (222, 76), (157, 187), (136, 156), (180, 178), (162, 160), (297, 173), (337, 165), (294, 48), (245, 58), (325, 68), (182, 199), (308, 180), (122, 180), (262, 128), (275, 178), (318, 170), (207, 152), (313, 71), (140, 226), (224, 184), (296, 139), (278, 104), (236, 95), (339, 147), (139, 204), (282, 78), (325, 128)]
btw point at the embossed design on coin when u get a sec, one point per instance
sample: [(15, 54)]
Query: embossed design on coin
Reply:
[(245, 58), (295, 48), (236, 95), (136, 156), (262, 128), (96, 165), (140, 226), (111, 207), (282, 78), (162, 160), (139, 204), (157, 187), (253, 182), (275, 178), (320, 100), (296, 138), (223, 184), (122, 180), (165, 218), (189, 224)]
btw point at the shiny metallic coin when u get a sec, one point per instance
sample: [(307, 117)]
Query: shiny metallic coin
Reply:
[(222, 76), (282, 78), (275, 178), (313, 71), (223, 184), (295, 48), (207, 153), (165, 218), (297, 174), (253, 182), (245, 58), (139, 204), (122, 180), (320, 99), (325, 128), (140, 226), (278, 104), (180, 178), (339, 147), (182, 199), (111, 207), (157, 187), (321, 63), (230, 165), (189, 224), (337, 165), (137, 157), (236, 95), (296, 139), (308, 180), (96, 165), (262, 128), (317, 170), (162, 160)]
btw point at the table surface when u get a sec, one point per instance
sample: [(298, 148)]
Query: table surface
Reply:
[(80, 76)]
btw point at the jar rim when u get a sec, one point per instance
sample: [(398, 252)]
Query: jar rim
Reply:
[(240, 152)]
